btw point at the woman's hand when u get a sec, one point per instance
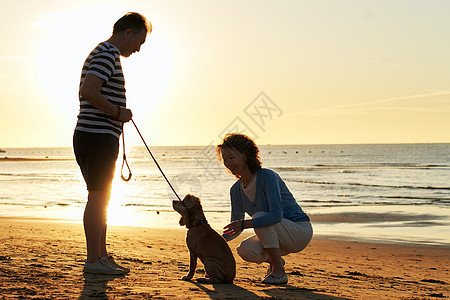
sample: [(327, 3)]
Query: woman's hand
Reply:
[(233, 228)]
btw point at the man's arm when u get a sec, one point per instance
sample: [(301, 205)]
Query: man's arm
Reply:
[(90, 90)]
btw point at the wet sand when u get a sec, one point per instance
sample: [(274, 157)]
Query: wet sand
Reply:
[(44, 259)]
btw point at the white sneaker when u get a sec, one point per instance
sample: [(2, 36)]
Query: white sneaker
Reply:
[(102, 266), (269, 269), (276, 279), (113, 263)]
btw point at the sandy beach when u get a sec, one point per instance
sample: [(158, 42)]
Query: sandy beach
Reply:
[(44, 259)]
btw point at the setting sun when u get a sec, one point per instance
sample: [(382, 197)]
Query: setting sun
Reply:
[(307, 58)]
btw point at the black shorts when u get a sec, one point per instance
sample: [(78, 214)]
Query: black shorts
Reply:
[(96, 155)]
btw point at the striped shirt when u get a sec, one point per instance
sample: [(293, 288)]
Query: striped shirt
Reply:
[(104, 62)]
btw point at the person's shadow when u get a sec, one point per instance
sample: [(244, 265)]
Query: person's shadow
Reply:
[(293, 292), (96, 285), (227, 291)]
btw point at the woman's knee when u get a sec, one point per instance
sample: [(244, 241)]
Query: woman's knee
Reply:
[(245, 253), (251, 250)]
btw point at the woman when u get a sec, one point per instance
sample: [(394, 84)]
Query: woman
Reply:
[(281, 227)]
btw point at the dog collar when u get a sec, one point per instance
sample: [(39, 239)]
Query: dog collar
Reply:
[(200, 221)]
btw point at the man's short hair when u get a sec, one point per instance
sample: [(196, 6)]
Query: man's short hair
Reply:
[(134, 21)]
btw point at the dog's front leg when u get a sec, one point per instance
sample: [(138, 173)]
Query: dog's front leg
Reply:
[(192, 267)]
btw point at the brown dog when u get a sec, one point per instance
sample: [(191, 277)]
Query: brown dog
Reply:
[(205, 243)]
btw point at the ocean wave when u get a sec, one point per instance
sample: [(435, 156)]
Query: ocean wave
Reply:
[(325, 201), (444, 200), (372, 185), (350, 168), (35, 159), (372, 217), (312, 181), (38, 178), (410, 224), (381, 165), (281, 169), (38, 175), (401, 186)]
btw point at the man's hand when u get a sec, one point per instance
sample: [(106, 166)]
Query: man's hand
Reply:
[(125, 115), (90, 90)]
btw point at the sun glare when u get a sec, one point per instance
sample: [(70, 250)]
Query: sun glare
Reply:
[(148, 73), (61, 43), (117, 213)]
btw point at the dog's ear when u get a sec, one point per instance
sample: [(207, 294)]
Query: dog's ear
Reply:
[(188, 200), (191, 200), (182, 223)]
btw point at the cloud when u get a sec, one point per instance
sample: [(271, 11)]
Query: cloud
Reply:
[(433, 102), (375, 61), (10, 58)]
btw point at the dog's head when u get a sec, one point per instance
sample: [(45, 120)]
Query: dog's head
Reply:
[(191, 211)]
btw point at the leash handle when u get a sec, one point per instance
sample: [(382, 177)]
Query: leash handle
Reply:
[(124, 161), (148, 149)]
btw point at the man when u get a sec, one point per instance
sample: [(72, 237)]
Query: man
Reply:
[(96, 138)]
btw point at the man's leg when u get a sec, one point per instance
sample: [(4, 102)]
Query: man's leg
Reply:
[(95, 224), (103, 251)]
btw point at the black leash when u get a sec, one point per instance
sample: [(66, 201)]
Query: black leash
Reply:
[(200, 221), (148, 149), (124, 161)]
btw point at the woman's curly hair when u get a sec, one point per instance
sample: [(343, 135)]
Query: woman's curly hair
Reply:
[(244, 145)]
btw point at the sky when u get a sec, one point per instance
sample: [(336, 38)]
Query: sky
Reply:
[(283, 72)]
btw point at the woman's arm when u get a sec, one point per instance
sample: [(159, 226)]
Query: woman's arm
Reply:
[(272, 194), (234, 228)]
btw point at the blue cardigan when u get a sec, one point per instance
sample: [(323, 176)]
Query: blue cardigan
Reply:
[(272, 196)]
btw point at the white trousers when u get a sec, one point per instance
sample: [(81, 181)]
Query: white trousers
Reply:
[(289, 236)]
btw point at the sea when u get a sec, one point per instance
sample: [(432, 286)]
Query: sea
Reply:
[(373, 192)]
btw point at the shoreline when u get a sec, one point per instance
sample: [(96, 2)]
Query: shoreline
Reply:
[(341, 225), (37, 256), (19, 159)]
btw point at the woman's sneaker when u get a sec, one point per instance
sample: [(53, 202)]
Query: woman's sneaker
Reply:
[(275, 279), (269, 269), (113, 263), (102, 266)]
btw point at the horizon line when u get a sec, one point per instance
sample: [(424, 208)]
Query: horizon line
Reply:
[(259, 145)]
